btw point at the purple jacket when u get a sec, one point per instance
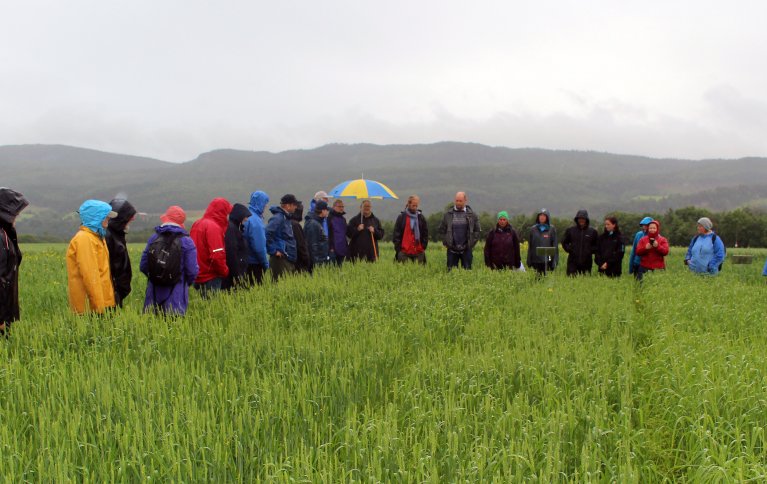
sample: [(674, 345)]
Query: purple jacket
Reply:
[(174, 299), (337, 233)]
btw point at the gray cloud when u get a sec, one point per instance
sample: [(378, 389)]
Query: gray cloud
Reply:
[(175, 78)]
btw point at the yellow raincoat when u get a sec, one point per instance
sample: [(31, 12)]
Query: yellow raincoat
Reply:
[(88, 273)]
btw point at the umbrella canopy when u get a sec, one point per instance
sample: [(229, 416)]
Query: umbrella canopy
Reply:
[(362, 188)]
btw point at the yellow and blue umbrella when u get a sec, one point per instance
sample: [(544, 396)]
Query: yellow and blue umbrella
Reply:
[(362, 188)]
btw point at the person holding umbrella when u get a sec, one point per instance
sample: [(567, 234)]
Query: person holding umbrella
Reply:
[(364, 231)]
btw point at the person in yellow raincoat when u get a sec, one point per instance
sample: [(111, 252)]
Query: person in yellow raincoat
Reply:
[(88, 261)]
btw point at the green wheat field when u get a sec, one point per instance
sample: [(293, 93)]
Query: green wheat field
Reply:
[(384, 372)]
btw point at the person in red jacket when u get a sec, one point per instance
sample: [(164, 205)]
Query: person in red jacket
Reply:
[(208, 236), (652, 248)]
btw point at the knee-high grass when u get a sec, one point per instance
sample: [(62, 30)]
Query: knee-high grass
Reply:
[(388, 372)]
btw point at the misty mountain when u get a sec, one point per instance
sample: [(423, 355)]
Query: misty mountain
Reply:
[(56, 179)]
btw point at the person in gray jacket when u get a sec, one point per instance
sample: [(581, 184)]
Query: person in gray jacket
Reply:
[(542, 234), (460, 232)]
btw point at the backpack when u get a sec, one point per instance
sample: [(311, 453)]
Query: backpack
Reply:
[(713, 242), (164, 259)]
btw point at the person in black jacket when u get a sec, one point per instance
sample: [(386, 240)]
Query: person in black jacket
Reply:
[(580, 243), (303, 260), (411, 233), (119, 259), (236, 248), (502, 245), (364, 232), (11, 205), (611, 246), (316, 238)]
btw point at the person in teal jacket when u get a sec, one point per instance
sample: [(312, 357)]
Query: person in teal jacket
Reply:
[(706, 250), (634, 259)]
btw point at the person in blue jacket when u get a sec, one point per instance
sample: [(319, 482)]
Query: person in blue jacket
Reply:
[(280, 241), (634, 259), (254, 233), (706, 251)]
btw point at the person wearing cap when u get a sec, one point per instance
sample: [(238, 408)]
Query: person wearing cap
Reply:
[(460, 232), (364, 232), (119, 259), (11, 205), (320, 196), (89, 282), (653, 249), (316, 239), (542, 234), (171, 299), (411, 233), (280, 240), (208, 236), (634, 259), (303, 259), (580, 243), (706, 251), (502, 245), (254, 232), (338, 245), (236, 248)]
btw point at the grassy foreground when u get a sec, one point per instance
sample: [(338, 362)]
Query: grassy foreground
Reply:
[(394, 373)]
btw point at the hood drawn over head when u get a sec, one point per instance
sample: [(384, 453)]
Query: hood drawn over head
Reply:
[(582, 214), (238, 213), (657, 224), (11, 204), (544, 212), (218, 211), (125, 212), (258, 202), (92, 213), (645, 221)]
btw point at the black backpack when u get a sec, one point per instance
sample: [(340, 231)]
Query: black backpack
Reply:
[(713, 242), (164, 259)]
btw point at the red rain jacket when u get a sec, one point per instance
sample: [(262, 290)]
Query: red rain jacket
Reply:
[(208, 236), (653, 258)]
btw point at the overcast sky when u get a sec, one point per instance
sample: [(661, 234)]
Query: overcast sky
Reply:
[(174, 78)]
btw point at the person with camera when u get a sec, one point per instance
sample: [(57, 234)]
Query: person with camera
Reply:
[(652, 248)]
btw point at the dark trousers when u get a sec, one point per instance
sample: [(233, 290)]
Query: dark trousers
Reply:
[(207, 288), (280, 266), (403, 257), (465, 258), (255, 274), (337, 259), (641, 271), (574, 269)]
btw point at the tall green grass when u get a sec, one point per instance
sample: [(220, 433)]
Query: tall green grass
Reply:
[(384, 372)]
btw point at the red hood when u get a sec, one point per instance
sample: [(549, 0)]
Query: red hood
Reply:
[(218, 211), (657, 224)]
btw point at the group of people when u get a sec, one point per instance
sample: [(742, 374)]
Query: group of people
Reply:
[(231, 246)]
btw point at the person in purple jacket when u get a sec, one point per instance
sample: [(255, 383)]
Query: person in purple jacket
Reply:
[(173, 298), (339, 247)]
